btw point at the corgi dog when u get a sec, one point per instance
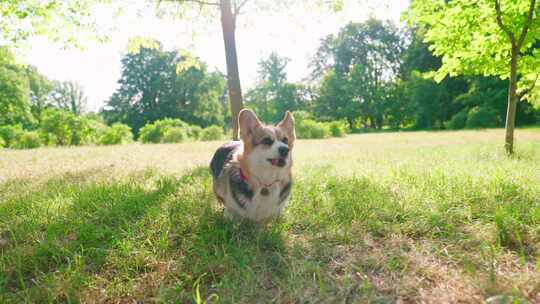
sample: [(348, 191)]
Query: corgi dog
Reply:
[(252, 177)]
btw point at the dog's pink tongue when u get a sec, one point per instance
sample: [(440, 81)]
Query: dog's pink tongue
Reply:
[(275, 161)]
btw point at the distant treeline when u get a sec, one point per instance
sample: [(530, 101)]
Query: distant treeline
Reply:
[(374, 75), (368, 76)]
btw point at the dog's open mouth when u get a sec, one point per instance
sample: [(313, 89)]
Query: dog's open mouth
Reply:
[(278, 162)]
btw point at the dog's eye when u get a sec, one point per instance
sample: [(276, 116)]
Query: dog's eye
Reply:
[(285, 140), (267, 141)]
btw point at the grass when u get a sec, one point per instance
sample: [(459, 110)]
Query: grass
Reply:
[(411, 217)]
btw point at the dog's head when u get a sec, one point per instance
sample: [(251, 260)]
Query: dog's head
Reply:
[(267, 146)]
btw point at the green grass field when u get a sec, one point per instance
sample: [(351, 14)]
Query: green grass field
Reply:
[(438, 217)]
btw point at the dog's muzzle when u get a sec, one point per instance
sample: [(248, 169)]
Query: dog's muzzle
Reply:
[(278, 162)]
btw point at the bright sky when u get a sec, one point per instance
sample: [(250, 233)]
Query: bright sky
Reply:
[(295, 35)]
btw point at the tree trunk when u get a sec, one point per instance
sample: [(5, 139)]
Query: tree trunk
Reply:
[(228, 25), (512, 101), (372, 123), (379, 121), (351, 123)]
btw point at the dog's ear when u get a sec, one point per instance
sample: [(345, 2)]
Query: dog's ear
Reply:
[(287, 124), (247, 122)]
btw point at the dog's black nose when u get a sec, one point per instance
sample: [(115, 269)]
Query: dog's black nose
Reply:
[(283, 151)]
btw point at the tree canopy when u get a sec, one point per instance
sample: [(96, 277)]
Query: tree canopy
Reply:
[(14, 91), (273, 94), (358, 64), (229, 10), (69, 95), (61, 21), (468, 38), (485, 37), (157, 84)]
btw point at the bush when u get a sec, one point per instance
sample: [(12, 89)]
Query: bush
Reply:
[(175, 135), (337, 129), (61, 127), (80, 130), (154, 132), (194, 132), (28, 140), (312, 129), (303, 129), (300, 116), (307, 128), (10, 134), (2, 142), (212, 133), (96, 131), (117, 134), (458, 121), (150, 134), (57, 127), (320, 130), (482, 118)]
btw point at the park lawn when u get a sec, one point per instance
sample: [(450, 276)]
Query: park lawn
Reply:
[(414, 216)]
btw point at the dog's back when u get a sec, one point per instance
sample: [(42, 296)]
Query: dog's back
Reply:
[(222, 156), (225, 169)]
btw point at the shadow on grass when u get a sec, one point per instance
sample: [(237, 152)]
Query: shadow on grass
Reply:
[(394, 240), (216, 257), (76, 238), (231, 261), (69, 224)]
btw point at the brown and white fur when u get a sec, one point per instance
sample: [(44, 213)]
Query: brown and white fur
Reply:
[(252, 177)]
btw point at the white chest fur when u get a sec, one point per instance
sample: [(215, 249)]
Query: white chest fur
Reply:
[(265, 206), (260, 207)]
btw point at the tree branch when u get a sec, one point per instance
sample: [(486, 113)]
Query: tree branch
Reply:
[(501, 24), (202, 2), (525, 29), (239, 7)]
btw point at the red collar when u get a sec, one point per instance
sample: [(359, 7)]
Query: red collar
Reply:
[(245, 180), (242, 176)]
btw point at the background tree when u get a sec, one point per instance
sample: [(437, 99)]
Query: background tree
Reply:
[(157, 84), (429, 103), (228, 11), (335, 99), (272, 70), (63, 127), (204, 108), (40, 89), (485, 37), (14, 91), (364, 59), (273, 94), (69, 95)]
